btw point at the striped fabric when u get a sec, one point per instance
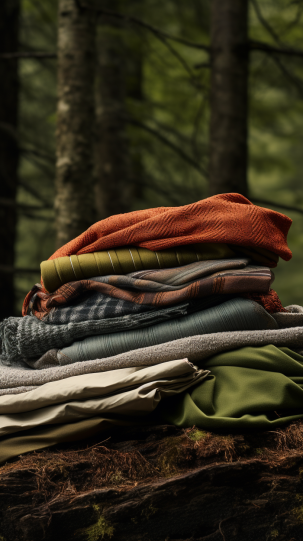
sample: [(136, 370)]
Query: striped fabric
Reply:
[(233, 315), (57, 272), (122, 294), (226, 218)]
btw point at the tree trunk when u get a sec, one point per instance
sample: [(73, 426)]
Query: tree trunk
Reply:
[(134, 92), (74, 202), (158, 484), (228, 97), (9, 24), (112, 163)]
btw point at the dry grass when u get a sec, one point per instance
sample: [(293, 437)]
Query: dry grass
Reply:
[(69, 472)]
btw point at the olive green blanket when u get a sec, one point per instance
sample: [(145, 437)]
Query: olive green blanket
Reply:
[(56, 272), (252, 387)]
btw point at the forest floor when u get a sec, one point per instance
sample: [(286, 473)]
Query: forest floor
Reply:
[(158, 484)]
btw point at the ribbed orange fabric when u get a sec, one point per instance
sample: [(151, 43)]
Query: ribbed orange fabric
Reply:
[(226, 218), (270, 301)]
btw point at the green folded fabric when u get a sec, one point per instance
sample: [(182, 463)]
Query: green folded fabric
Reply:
[(235, 314), (62, 270), (50, 435), (248, 388)]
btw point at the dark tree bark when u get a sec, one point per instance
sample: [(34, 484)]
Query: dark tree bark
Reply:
[(112, 161), (9, 24), (228, 97), (74, 201), (134, 92), (158, 484)]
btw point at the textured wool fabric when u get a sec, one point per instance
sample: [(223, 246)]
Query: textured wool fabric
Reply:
[(270, 301), (235, 314), (62, 270), (196, 348), (25, 338), (155, 288), (293, 317), (95, 307), (247, 388), (224, 218)]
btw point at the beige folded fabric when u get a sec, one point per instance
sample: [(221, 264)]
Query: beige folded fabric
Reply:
[(129, 392), (62, 270)]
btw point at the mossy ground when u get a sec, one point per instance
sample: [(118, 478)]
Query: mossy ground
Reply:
[(99, 530)]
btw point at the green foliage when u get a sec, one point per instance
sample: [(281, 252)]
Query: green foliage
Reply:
[(196, 435), (98, 531), (276, 109), (170, 103), (168, 461), (297, 511), (35, 229), (273, 534)]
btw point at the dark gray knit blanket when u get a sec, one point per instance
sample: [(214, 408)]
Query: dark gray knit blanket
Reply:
[(26, 338), (232, 315)]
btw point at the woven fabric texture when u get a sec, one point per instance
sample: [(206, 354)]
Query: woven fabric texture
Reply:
[(196, 348), (62, 270), (120, 394), (251, 388), (25, 338), (224, 218), (159, 287), (233, 315)]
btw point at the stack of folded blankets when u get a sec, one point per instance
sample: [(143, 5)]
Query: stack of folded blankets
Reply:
[(123, 311)]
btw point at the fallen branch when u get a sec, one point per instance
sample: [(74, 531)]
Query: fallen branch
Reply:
[(168, 143), (138, 22), (206, 65), (5, 202), (270, 49), (298, 83), (27, 54), (9, 269), (34, 193), (275, 204), (264, 22)]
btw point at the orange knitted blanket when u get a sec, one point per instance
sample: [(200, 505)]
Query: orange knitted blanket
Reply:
[(225, 218)]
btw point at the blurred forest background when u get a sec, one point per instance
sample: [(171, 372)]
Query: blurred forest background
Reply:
[(112, 106)]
